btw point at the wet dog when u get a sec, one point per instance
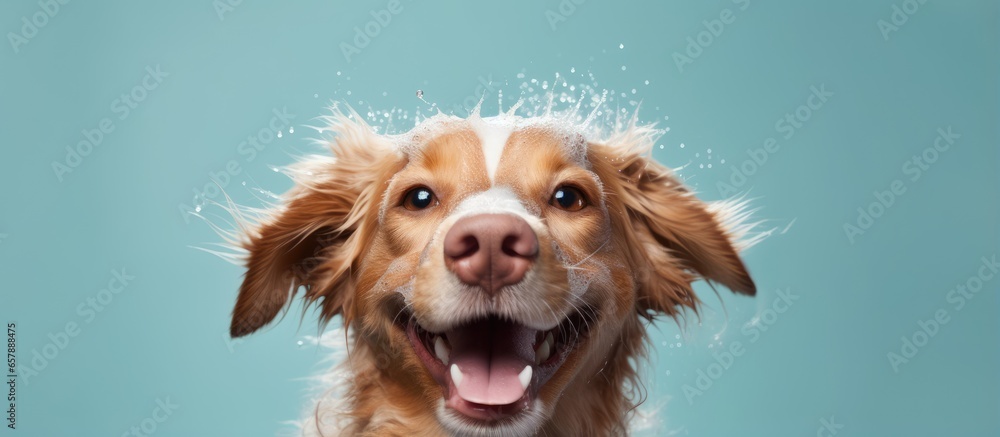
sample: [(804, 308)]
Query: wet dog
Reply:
[(494, 273)]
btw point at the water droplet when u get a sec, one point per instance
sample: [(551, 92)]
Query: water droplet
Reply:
[(668, 373), (291, 130), (623, 68), (710, 166), (244, 183), (621, 46), (572, 70), (678, 344), (385, 93), (315, 96), (661, 146), (682, 145), (709, 150), (338, 73), (677, 336), (300, 343), (197, 208), (723, 161), (279, 134), (647, 81), (697, 155), (633, 90)]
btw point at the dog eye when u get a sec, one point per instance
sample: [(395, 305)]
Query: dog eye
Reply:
[(419, 198), (568, 198)]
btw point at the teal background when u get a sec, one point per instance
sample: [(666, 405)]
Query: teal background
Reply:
[(164, 336)]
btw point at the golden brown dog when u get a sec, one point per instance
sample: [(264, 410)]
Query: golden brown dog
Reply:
[(494, 273)]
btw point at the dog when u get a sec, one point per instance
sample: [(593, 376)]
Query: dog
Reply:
[(495, 274)]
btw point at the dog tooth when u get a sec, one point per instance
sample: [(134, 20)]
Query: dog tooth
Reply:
[(550, 340), (524, 377), (456, 375), (543, 352), (441, 349)]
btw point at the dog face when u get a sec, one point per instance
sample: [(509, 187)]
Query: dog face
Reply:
[(501, 263)]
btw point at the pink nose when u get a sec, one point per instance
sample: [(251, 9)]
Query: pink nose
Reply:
[(490, 250)]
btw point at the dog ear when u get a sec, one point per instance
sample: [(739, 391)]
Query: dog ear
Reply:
[(674, 235), (315, 237)]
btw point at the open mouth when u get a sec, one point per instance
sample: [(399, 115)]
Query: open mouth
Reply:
[(493, 368)]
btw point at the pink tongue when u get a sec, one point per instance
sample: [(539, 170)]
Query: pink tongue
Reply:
[(491, 354)]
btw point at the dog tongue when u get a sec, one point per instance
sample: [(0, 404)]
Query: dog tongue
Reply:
[(491, 355)]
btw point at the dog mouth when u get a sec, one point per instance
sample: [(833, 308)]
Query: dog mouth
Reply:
[(492, 368)]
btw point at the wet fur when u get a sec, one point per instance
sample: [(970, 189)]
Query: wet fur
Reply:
[(324, 240)]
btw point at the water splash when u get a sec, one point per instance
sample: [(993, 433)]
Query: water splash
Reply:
[(576, 97)]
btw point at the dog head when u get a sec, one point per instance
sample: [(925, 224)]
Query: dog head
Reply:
[(500, 262)]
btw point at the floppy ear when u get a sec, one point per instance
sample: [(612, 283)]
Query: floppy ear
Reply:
[(314, 239), (673, 235)]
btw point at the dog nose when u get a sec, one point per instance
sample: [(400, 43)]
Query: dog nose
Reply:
[(490, 250)]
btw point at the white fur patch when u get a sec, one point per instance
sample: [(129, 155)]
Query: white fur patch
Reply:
[(527, 423), (496, 200), (493, 133)]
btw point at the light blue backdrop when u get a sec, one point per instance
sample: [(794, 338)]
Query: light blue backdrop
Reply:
[(889, 81)]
